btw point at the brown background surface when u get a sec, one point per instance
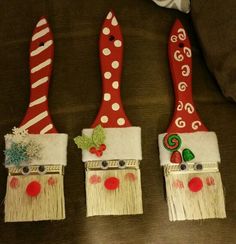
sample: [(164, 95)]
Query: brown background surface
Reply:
[(74, 101)]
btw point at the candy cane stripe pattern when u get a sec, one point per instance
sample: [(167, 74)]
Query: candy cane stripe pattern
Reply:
[(180, 58), (37, 119), (35, 154), (111, 112)]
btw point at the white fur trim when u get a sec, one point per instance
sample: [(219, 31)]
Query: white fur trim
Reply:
[(53, 148), (204, 145), (121, 143)]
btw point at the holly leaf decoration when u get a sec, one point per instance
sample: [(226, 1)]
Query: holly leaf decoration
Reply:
[(98, 135), (84, 142)]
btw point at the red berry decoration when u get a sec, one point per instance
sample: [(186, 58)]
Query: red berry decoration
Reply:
[(195, 184), (92, 150), (33, 188), (176, 157), (99, 153), (102, 147), (112, 183)]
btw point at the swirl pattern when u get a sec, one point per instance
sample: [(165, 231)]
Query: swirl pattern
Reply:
[(182, 86), (172, 142), (180, 123)]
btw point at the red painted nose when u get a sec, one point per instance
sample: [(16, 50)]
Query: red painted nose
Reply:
[(195, 184), (33, 188), (111, 183)]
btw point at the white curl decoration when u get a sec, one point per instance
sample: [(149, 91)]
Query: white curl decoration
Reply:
[(182, 86), (185, 70), (188, 52), (180, 123), (174, 38), (181, 34), (196, 124), (180, 106), (178, 56), (189, 108)]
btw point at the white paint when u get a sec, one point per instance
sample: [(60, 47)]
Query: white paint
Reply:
[(107, 75), (117, 43), (114, 21), (115, 106), (115, 64), (41, 22), (180, 123), (35, 120), (106, 51), (182, 86), (41, 48), (104, 119), (189, 108), (180, 106), (107, 96), (178, 56), (115, 84), (109, 15), (41, 66), (40, 82), (196, 124), (106, 31), (46, 129), (39, 34), (185, 70), (38, 101), (121, 121)]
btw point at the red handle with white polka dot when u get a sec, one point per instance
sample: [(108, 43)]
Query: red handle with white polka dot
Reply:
[(111, 113), (185, 118), (37, 119)]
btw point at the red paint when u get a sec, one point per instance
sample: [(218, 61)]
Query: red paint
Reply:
[(102, 147), (14, 183), (112, 183), (130, 176), (52, 181), (99, 153), (92, 150), (94, 179), (107, 42), (41, 90), (178, 184), (176, 157), (195, 184), (210, 181), (185, 112), (33, 189)]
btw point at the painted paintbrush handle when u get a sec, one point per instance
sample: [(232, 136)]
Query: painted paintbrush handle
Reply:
[(185, 118), (111, 54), (37, 119)]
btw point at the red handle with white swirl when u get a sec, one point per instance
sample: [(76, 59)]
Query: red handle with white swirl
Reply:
[(111, 113), (37, 119), (185, 118)]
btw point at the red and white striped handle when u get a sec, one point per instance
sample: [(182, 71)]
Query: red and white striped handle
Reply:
[(37, 119), (111, 113), (185, 118)]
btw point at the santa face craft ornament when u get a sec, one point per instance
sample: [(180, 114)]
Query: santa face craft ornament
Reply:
[(111, 149), (188, 151), (35, 153)]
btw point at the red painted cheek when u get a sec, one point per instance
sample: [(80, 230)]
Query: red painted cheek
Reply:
[(14, 183), (112, 183), (33, 188), (195, 184), (94, 179), (52, 181), (130, 177)]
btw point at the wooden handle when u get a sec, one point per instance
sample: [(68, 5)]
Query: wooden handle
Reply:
[(37, 119), (185, 118), (111, 113)]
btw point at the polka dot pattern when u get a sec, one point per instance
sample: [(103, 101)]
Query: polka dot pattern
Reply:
[(111, 113)]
